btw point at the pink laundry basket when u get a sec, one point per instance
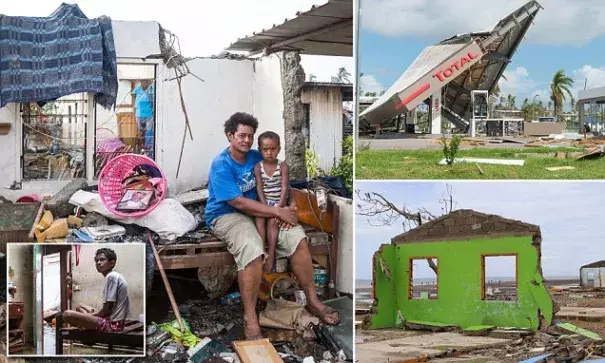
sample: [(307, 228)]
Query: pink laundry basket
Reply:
[(112, 175)]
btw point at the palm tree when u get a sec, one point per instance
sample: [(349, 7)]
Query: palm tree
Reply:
[(526, 109), (572, 103), (510, 102), (560, 86), (343, 75)]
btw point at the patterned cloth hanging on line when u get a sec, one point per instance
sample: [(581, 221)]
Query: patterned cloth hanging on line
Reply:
[(42, 59)]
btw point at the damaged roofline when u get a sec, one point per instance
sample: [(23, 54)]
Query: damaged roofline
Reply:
[(279, 45)]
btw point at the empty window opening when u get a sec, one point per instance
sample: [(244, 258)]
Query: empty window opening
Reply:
[(423, 278), (590, 279), (499, 278), (54, 136), (131, 127)]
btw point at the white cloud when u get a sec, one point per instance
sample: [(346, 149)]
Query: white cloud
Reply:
[(517, 81), (561, 21), (593, 77), (369, 83)]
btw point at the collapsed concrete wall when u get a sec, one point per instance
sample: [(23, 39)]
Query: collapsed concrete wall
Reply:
[(460, 277), (130, 263)]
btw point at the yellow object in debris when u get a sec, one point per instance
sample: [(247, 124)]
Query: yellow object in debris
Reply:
[(266, 285), (45, 221), (58, 229), (187, 338), (74, 221)]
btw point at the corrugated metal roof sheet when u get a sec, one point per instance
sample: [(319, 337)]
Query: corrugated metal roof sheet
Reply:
[(322, 30)]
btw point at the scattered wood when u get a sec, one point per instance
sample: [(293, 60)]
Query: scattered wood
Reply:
[(486, 161), (559, 168), (480, 170), (595, 152)]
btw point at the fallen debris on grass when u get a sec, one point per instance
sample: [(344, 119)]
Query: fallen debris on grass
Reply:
[(486, 161)]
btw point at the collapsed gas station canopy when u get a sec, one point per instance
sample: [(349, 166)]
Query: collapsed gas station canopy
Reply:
[(454, 67)]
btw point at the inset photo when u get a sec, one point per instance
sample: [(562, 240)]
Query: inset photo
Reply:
[(76, 300), (479, 272), (465, 92)]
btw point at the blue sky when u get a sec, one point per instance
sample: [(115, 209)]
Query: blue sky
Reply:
[(568, 213), (567, 34)]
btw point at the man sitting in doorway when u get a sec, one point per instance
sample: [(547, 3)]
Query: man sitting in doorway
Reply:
[(116, 304), (232, 204)]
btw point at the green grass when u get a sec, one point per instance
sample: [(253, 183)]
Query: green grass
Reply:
[(424, 164)]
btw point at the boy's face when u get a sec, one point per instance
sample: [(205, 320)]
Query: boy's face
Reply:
[(242, 139), (103, 264), (269, 149)]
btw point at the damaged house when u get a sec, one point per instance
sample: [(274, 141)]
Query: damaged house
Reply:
[(458, 250), (592, 275)]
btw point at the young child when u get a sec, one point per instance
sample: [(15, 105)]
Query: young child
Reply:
[(273, 188)]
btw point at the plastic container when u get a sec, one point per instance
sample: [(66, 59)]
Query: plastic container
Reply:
[(232, 298), (110, 183)]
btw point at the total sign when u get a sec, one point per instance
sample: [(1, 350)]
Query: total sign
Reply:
[(439, 76), (456, 67)]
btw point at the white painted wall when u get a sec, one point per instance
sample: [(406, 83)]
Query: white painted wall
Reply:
[(20, 259), (8, 144), (436, 113), (130, 263), (344, 271), (325, 123), (268, 97), (227, 88)]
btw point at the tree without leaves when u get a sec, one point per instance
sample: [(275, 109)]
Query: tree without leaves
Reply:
[(376, 206)]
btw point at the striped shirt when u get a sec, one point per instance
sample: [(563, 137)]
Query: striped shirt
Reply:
[(271, 183)]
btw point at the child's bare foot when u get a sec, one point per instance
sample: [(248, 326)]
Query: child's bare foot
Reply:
[(268, 265)]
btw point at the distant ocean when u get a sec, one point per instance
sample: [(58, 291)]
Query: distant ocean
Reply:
[(366, 296)]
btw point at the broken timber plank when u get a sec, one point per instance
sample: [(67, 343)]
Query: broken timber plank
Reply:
[(577, 330), (578, 313), (193, 197)]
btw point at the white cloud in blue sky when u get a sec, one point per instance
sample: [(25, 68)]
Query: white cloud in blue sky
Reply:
[(568, 213), (561, 22)]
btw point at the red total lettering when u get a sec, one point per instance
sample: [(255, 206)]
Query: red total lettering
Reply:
[(442, 74)]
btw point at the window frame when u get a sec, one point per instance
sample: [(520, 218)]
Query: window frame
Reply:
[(91, 123), (483, 284), (411, 277)]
